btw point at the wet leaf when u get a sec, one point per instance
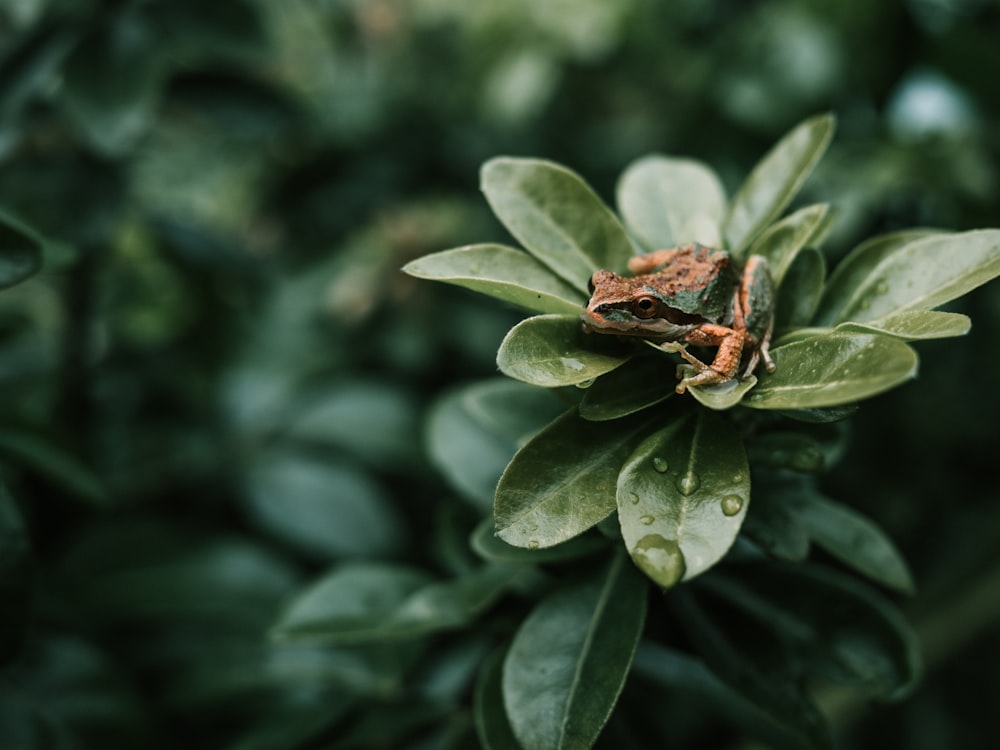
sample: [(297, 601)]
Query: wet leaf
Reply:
[(569, 659), (669, 202), (557, 217), (851, 538), (364, 602), (890, 277), (832, 369), (852, 271), (639, 384), (505, 273), (781, 242), (562, 482), (722, 396), (774, 181), (485, 543), (547, 350), (800, 294), (914, 325), (682, 497)]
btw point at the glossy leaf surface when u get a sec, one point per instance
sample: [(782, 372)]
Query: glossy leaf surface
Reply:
[(640, 383), (668, 202), (915, 325), (505, 273), (569, 659), (557, 217), (485, 543), (682, 497), (562, 482), (781, 242), (891, 277), (775, 180), (370, 602), (851, 538), (547, 350), (832, 369)]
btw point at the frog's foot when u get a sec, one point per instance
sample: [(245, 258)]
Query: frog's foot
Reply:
[(677, 348), (707, 376)]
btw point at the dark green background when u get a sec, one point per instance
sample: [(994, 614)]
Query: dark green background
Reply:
[(214, 388)]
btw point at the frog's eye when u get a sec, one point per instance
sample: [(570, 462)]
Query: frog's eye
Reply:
[(645, 307)]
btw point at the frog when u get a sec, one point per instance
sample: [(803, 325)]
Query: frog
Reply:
[(695, 295)]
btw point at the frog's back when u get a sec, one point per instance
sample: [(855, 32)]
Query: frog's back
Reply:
[(696, 279)]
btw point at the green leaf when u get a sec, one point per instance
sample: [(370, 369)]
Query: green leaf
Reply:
[(20, 252), (775, 180), (786, 450), (801, 292), (472, 432), (563, 480), (325, 508), (781, 242), (503, 272), (640, 383), (722, 396), (364, 602), (114, 117), (843, 629), (775, 528), (669, 202), (914, 325), (38, 451), (547, 350), (851, 538), (557, 217), (569, 659), (491, 548), (682, 497), (747, 660), (832, 369), (492, 726), (922, 274)]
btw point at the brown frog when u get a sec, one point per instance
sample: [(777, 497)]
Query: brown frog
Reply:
[(690, 295)]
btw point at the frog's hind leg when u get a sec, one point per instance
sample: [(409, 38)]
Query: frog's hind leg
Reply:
[(754, 310)]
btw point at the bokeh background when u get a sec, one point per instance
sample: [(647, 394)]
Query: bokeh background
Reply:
[(218, 384)]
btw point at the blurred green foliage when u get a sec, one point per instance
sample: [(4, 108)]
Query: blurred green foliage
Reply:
[(216, 386)]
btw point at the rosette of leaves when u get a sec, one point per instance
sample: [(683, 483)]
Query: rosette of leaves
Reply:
[(677, 472), (631, 464)]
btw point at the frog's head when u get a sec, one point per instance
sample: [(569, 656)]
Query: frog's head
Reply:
[(633, 307)]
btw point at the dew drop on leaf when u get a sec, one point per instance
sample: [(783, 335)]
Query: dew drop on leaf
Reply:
[(634, 497), (647, 519), (533, 544), (586, 383), (688, 484), (660, 558), (660, 464), (732, 504)]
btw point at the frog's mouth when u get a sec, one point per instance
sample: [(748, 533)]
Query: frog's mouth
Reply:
[(622, 323)]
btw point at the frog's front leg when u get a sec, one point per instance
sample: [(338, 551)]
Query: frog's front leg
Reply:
[(730, 343)]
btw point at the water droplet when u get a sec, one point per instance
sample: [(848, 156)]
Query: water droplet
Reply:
[(881, 288), (660, 558), (732, 504), (634, 497), (586, 383), (533, 544), (865, 304), (660, 464), (571, 363), (647, 519), (688, 484)]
